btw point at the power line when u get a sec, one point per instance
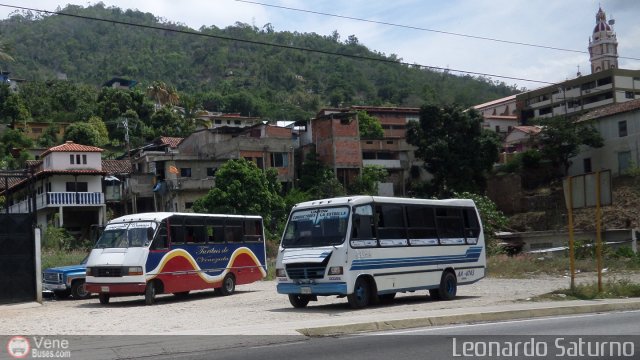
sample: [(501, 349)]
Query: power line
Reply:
[(289, 47), (425, 29)]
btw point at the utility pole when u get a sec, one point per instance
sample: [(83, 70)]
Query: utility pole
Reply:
[(124, 122)]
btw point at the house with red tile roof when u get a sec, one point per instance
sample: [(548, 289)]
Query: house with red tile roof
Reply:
[(68, 188)]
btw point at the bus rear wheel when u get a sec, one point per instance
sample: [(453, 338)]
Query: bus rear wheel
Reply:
[(447, 289), (299, 301), (228, 285), (361, 294)]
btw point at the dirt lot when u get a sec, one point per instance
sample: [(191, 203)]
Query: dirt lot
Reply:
[(254, 309)]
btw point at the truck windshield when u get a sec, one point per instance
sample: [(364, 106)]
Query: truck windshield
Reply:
[(316, 227), (123, 235)]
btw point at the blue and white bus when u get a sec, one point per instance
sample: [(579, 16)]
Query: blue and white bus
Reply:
[(152, 253), (369, 248)]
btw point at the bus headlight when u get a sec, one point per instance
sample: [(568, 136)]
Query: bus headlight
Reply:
[(88, 271), (335, 270), (281, 273), (134, 270)]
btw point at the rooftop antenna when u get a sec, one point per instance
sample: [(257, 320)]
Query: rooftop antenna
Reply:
[(579, 73)]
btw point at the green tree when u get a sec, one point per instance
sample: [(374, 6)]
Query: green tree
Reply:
[(493, 220), (454, 147), (14, 110), (317, 180), (13, 141), (370, 127), (101, 128), (166, 122), (243, 188), (561, 138), (367, 182), (50, 137), (4, 51), (312, 168), (82, 133)]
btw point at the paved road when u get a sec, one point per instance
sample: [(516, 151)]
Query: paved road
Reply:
[(548, 338)]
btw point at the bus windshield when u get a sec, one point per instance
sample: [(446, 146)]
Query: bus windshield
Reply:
[(124, 235), (316, 227)]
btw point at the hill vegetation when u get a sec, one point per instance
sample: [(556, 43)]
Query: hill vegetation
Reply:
[(228, 69)]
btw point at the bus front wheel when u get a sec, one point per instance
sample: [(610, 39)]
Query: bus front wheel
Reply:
[(150, 293), (361, 294), (447, 289), (299, 301)]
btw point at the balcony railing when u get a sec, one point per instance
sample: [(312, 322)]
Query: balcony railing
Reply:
[(56, 199)]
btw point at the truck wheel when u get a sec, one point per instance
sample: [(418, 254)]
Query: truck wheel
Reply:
[(62, 294), (228, 285), (150, 293), (361, 294), (78, 290), (104, 298), (299, 301)]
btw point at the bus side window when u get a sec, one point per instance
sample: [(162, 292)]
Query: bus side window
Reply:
[(252, 230), (421, 225), (161, 240), (177, 234), (363, 226), (215, 230), (471, 225), (450, 225), (233, 230), (390, 222)]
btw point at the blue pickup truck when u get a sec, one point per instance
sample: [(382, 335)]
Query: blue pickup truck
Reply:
[(66, 280)]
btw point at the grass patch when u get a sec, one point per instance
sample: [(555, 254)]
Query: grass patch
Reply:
[(615, 289), (54, 258), (526, 265)]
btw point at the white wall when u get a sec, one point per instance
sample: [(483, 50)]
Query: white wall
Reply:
[(60, 161), (58, 182), (606, 157)]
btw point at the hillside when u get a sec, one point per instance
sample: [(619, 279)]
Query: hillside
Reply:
[(208, 60), (623, 213)]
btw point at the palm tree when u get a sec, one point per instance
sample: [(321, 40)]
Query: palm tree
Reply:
[(158, 92), (194, 114), (163, 94)]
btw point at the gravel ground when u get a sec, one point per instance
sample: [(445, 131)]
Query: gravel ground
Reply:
[(254, 309)]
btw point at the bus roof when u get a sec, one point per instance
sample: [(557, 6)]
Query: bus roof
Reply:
[(364, 199), (159, 216)]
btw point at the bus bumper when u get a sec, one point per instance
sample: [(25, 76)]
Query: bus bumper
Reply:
[(116, 288), (313, 289)]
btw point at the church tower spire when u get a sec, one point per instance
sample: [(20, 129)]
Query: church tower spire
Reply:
[(603, 45)]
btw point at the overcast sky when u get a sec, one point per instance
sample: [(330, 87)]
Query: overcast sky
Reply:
[(565, 24)]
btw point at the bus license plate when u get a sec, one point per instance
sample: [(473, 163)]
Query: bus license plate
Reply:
[(104, 288), (305, 290)]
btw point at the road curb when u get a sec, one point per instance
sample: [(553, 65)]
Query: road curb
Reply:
[(439, 320)]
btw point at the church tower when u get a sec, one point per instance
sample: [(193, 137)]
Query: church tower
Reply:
[(603, 45)]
